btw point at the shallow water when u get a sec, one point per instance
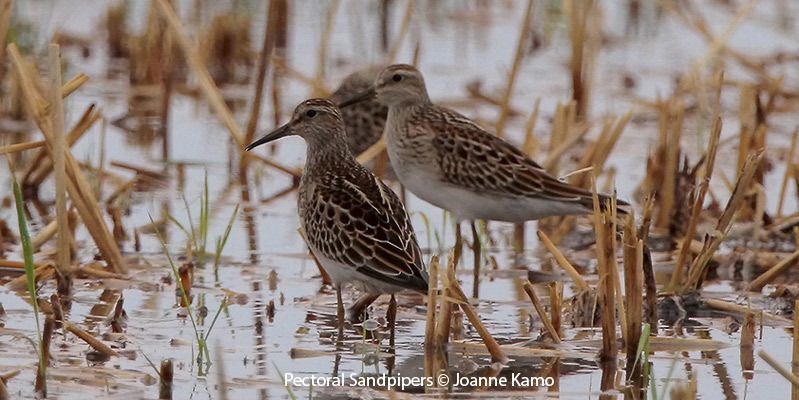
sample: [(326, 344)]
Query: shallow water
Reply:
[(265, 260)]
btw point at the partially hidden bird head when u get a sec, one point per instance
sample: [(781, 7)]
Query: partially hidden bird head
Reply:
[(395, 85), (318, 121)]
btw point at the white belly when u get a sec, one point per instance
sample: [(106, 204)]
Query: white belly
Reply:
[(340, 274), (467, 205)]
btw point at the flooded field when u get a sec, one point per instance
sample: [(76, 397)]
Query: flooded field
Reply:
[(631, 91)]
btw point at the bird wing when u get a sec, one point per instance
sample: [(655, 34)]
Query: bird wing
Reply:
[(473, 158), (359, 221)]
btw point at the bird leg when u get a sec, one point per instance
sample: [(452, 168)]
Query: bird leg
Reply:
[(391, 317), (477, 258), (458, 244), (340, 313), (355, 312)]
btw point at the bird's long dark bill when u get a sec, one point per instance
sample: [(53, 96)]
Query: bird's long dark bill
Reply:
[(278, 133), (363, 96)]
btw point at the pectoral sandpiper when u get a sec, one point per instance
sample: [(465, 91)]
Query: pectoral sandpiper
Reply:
[(448, 160), (355, 225), (363, 122)]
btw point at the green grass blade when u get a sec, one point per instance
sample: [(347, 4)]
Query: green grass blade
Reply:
[(27, 253), (179, 225), (220, 243), (192, 232), (285, 384), (178, 282), (204, 214)]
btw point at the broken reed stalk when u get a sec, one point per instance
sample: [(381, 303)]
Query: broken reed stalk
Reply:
[(5, 19), (563, 262), (646, 217), (403, 32), (542, 314), (79, 189), (712, 242), (324, 43), (283, 68), (597, 155), (264, 60), (690, 232), (556, 304), (443, 325), (739, 309), (74, 84), (14, 148), (604, 227), (788, 171), (793, 379), (41, 272), (633, 288), (766, 277), (207, 85), (89, 339), (373, 151), (671, 128), (521, 43), (40, 385), (795, 357), (165, 380), (530, 145), (41, 165), (497, 355), (748, 330), (63, 258), (3, 390), (430, 349)]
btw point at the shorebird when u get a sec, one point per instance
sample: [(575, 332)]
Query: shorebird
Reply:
[(451, 162), (355, 225), (363, 122)]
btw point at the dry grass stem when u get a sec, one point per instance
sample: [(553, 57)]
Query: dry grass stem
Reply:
[(63, 259), (563, 262), (207, 85), (542, 314), (795, 355), (531, 144), (779, 368), (40, 167), (73, 84), (712, 242), (14, 148), (633, 252), (79, 190), (690, 232), (324, 43), (264, 60), (317, 86), (778, 269), (605, 232), (497, 355), (518, 54), (735, 308), (788, 171), (89, 339), (5, 19), (443, 325), (410, 6), (430, 349)]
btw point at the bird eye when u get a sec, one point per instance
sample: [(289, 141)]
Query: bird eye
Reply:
[(310, 113), (396, 77)]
